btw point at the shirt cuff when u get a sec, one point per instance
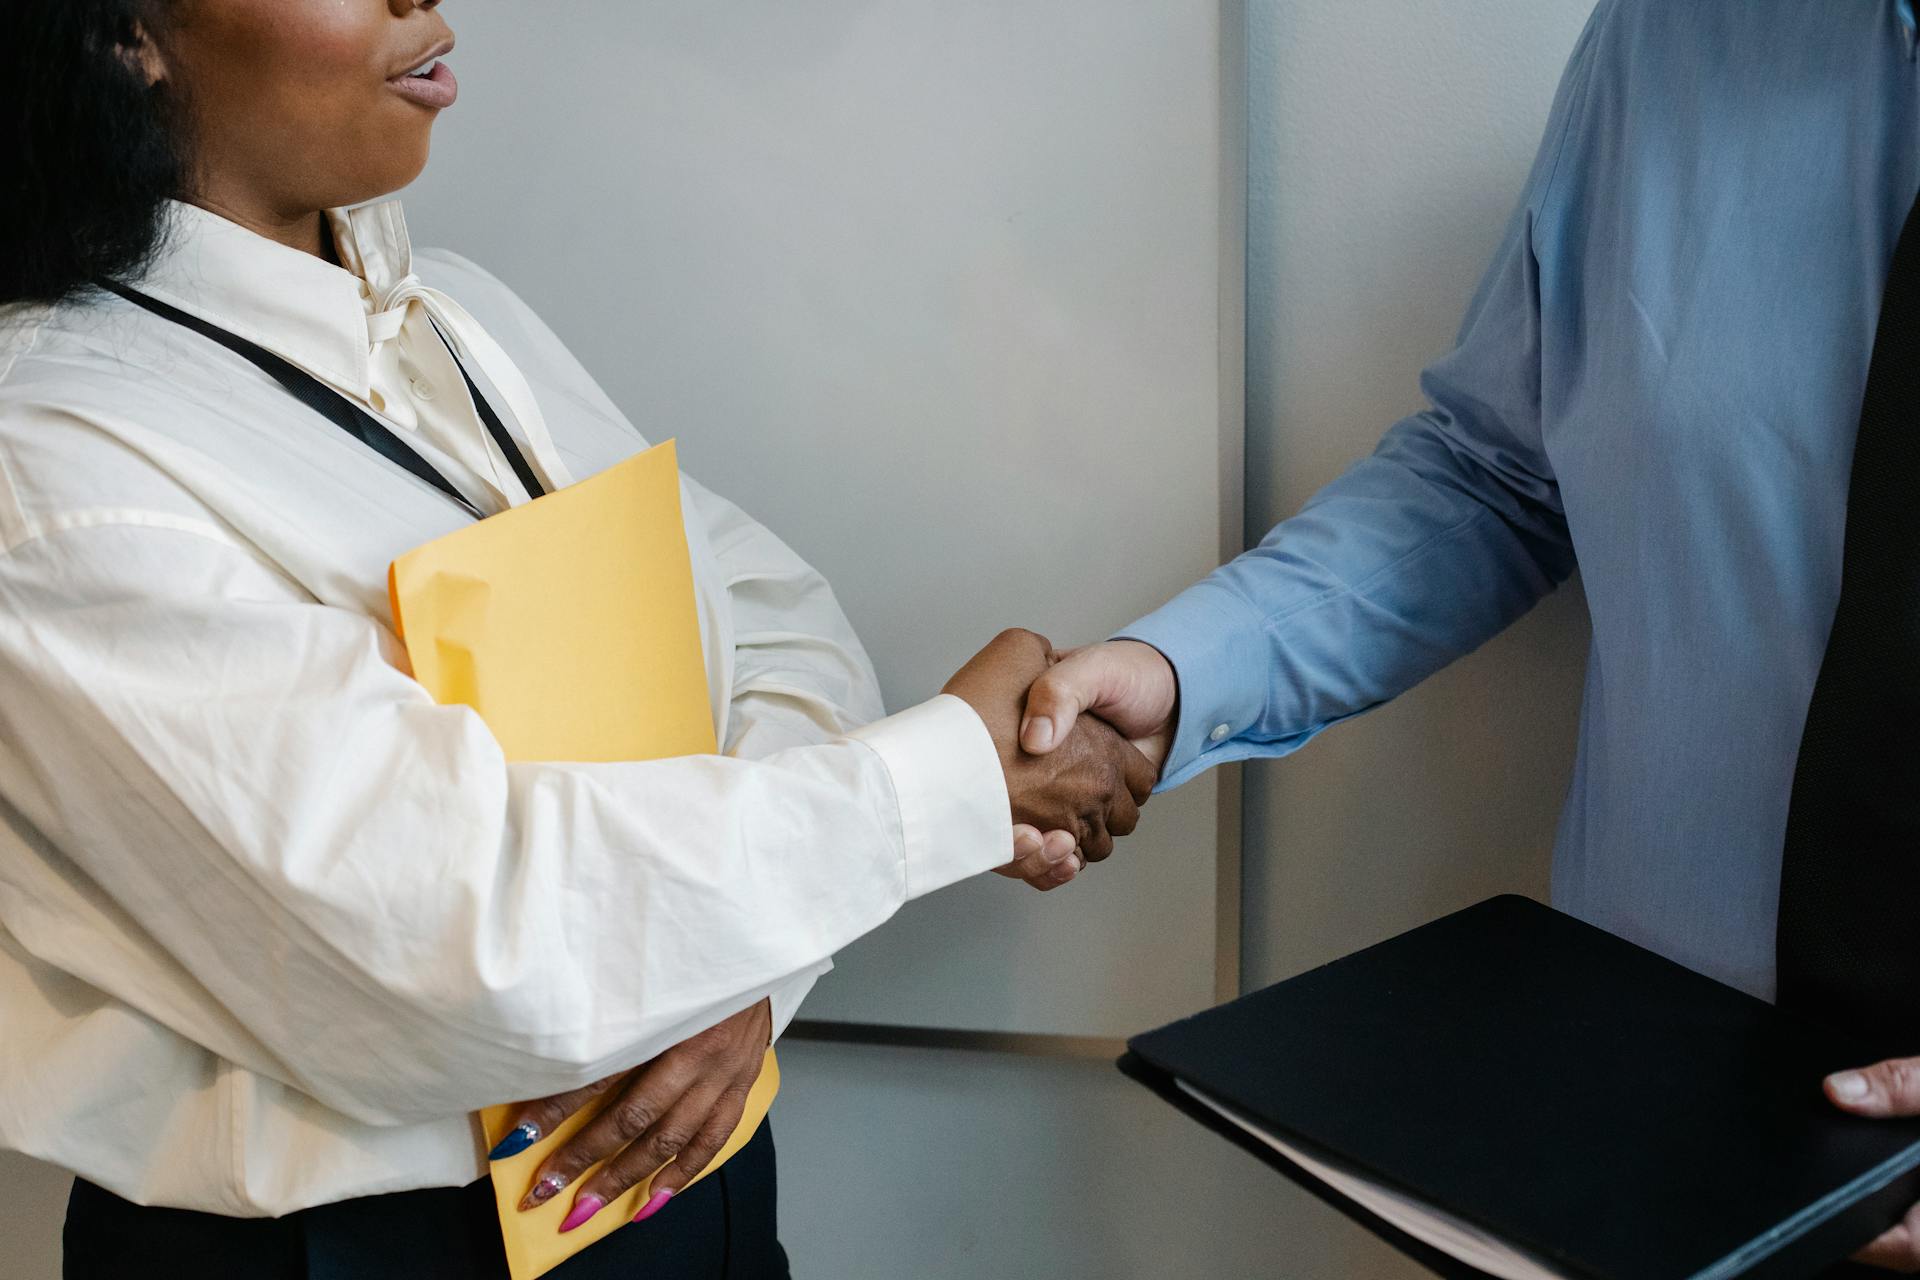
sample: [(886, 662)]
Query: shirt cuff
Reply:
[(1217, 645), (955, 818)]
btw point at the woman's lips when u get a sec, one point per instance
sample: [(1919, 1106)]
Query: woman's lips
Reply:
[(436, 89)]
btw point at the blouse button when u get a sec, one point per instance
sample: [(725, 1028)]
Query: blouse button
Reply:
[(422, 389), (1220, 732)]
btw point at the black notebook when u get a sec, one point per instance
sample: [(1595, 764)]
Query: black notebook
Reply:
[(1510, 1092)]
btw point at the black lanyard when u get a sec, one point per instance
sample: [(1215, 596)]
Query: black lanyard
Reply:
[(344, 413)]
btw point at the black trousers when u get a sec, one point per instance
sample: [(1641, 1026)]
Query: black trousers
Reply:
[(721, 1228)]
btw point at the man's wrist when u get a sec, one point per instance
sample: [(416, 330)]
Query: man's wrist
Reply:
[(1214, 644)]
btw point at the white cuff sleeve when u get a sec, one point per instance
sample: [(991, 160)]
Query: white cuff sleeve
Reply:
[(955, 818)]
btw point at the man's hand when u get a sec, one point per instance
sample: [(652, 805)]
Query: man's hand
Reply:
[(1128, 684), (682, 1106), (1089, 787), (1884, 1090)]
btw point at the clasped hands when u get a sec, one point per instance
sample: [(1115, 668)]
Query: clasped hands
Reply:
[(1075, 782), (1082, 736)]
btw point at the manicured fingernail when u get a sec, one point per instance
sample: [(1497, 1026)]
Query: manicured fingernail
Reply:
[(1039, 733), (545, 1189), (654, 1204), (585, 1206), (1848, 1086), (516, 1142)]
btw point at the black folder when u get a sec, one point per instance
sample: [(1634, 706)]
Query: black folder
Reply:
[(1593, 1105)]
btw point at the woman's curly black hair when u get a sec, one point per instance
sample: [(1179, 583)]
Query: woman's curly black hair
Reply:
[(89, 152)]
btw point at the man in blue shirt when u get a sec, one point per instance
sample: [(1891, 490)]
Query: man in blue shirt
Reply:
[(1659, 381)]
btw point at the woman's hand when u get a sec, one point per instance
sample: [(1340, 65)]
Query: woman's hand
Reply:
[(1045, 861), (682, 1106), (1884, 1090)]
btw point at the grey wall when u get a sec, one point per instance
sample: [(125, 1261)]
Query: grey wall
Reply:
[(1388, 143)]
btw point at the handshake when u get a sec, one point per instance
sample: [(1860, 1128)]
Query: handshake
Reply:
[(1082, 735)]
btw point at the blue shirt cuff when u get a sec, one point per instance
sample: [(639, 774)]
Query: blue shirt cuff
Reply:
[(1217, 645)]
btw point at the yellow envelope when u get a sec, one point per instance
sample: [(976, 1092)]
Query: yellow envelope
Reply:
[(569, 624)]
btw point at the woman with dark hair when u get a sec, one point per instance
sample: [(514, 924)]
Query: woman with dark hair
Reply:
[(272, 922)]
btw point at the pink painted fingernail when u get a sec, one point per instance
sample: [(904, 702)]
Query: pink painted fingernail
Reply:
[(584, 1207), (653, 1205)]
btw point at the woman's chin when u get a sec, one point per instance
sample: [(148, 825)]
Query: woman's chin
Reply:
[(400, 166)]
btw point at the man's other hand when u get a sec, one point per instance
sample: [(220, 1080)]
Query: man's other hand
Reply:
[(1087, 789), (1882, 1091)]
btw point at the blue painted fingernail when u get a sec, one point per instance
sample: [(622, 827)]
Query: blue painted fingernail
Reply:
[(516, 1142)]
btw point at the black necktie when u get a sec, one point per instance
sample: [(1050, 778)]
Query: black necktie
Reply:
[(1849, 947)]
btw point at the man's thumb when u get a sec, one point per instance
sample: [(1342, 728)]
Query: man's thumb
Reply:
[(1058, 697), (1890, 1088)]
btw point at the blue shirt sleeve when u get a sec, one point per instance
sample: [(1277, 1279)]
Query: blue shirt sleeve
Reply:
[(1418, 554)]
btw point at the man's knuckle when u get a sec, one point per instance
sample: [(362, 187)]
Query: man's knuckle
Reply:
[(1902, 1078)]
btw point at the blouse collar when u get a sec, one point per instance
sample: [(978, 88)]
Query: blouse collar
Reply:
[(292, 303)]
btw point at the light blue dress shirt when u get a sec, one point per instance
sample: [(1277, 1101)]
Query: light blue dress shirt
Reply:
[(1658, 381)]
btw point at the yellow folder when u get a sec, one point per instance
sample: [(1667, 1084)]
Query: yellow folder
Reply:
[(569, 624)]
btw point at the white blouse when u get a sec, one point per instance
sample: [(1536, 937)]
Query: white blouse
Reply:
[(272, 922)]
